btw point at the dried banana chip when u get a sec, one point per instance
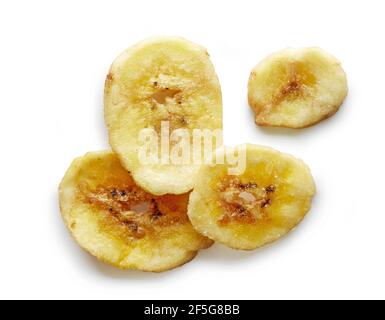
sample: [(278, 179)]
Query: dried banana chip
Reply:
[(257, 207), (120, 223), (296, 88), (160, 80)]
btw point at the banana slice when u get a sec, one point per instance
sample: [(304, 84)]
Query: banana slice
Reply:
[(296, 88), (255, 208), (160, 80), (119, 223)]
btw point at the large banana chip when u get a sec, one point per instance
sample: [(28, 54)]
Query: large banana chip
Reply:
[(160, 80), (119, 223), (255, 208), (296, 88)]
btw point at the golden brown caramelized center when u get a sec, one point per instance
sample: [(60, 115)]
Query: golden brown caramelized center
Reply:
[(136, 212), (244, 202), (299, 80), (162, 94)]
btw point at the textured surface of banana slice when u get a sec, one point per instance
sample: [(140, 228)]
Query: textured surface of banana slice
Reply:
[(296, 88), (255, 208), (121, 224), (160, 80)]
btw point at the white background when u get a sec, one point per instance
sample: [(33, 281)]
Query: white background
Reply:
[(54, 59)]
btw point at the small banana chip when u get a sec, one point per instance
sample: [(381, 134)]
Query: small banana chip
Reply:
[(160, 80), (296, 88), (253, 209), (119, 223)]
